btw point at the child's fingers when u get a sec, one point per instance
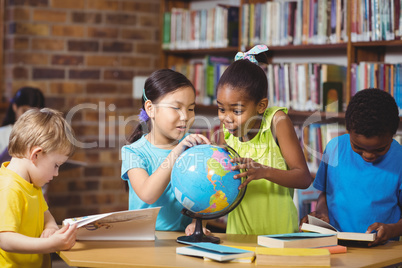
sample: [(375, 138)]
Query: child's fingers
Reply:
[(205, 139), (374, 228), (71, 230), (63, 229), (244, 184), (207, 231), (240, 175), (240, 166), (241, 160), (237, 160), (195, 139), (201, 139)]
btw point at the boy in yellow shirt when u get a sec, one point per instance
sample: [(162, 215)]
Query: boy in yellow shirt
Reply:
[(40, 143)]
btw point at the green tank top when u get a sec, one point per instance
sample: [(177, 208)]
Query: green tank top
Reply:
[(267, 208)]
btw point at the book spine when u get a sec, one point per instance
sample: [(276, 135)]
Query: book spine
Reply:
[(166, 30)]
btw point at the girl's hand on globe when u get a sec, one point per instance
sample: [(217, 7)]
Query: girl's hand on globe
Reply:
[(191, 227), (190, 141), (253, 170)]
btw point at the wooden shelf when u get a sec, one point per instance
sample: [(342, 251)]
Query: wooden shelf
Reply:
[(392, 43), (203, 51), (213, 110), (342, 46), (340, 115)]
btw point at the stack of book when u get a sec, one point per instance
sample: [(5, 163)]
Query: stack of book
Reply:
[(297, 249)]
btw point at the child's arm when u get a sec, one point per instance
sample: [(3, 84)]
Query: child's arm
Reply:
[(298, 175), (384, 231), (321, 211), (63, 239), (150, 187), (50, 226)]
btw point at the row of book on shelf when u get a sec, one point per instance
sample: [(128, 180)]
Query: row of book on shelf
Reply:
[(300, 86), (281, 23), (385, 76), (205, 28), (376, 20)]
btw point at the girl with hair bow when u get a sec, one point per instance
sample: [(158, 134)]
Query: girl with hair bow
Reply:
[(270, 151)]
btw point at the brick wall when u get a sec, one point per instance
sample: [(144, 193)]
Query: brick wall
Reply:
[(83, 54)]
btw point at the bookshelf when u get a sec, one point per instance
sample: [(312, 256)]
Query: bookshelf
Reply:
[(351, 52)]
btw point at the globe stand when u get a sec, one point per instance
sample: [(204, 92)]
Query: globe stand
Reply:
[(198, 235)]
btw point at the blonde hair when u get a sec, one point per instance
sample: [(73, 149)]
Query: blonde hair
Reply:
[(45, 128)]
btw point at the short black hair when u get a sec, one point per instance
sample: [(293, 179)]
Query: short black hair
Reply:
[(372, 112)]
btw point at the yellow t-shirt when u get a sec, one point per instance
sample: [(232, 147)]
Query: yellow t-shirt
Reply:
[(22, 208), (266, 208)]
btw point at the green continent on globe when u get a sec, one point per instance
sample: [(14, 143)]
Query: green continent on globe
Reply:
[(217, 201), (214, 167)]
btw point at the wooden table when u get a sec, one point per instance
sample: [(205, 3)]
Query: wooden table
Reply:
[(162, 253)]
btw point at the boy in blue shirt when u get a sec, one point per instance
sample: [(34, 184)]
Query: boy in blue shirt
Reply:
[(360, 174)]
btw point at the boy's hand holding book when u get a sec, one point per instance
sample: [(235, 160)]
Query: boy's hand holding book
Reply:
[(383, 232), (64, 238), (316, 214)]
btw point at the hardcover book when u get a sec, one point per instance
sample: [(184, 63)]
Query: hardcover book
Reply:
[(297, 240), (293, 257), (214, 251), (249, 259)]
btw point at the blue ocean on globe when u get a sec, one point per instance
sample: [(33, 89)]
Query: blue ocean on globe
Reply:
[(202, 179)]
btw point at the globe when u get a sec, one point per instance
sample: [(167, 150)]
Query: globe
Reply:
[(202, 180)]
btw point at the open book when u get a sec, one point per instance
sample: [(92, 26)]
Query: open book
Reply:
[(319, 226), (122, 225)]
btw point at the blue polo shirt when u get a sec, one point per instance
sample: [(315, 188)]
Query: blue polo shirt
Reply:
[(360, 193)]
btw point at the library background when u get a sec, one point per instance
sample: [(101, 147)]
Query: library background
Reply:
[(321, 52)]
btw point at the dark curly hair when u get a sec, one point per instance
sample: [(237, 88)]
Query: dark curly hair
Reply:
[(372, 112)]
